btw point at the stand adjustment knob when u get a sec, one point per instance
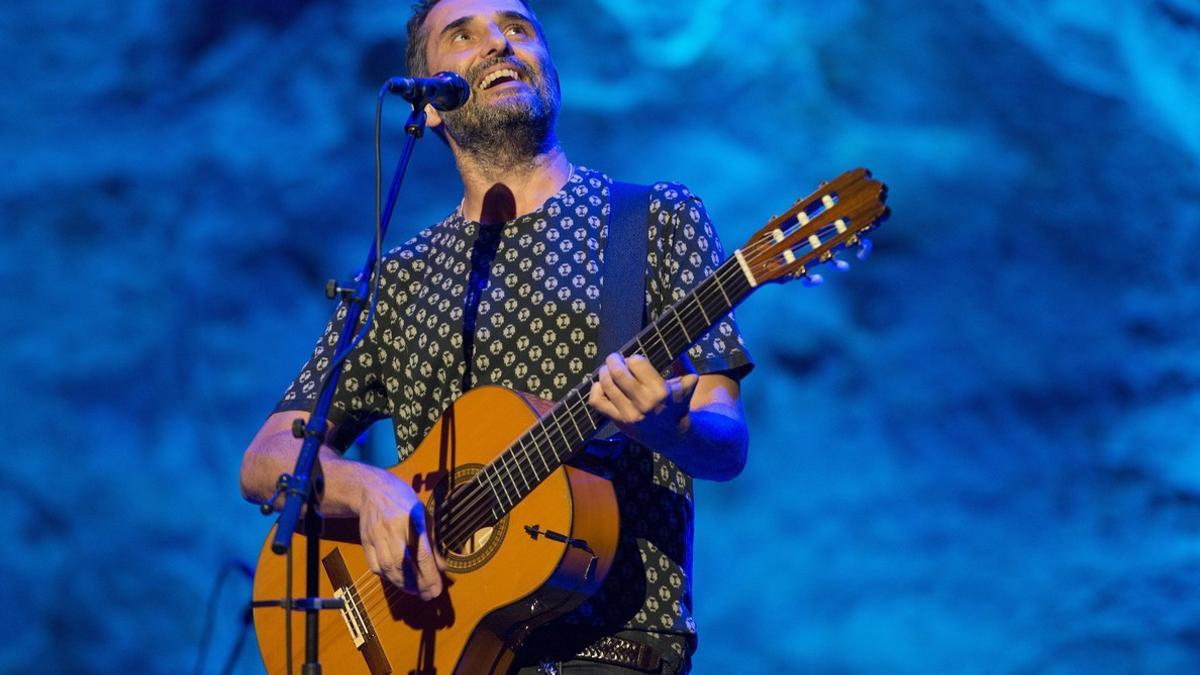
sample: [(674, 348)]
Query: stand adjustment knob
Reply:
[(333, 289)]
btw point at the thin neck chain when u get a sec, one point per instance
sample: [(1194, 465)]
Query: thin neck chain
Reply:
[(570, 176)]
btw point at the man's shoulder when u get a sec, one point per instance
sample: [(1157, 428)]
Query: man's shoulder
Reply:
[(427, 238), (664, 194), (673, 193)]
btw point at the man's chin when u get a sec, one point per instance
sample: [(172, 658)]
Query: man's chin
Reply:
[(508, 96)]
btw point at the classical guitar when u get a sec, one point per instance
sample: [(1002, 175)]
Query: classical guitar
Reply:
[(525, 537)]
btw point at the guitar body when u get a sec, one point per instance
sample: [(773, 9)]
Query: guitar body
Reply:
[(509, 579)]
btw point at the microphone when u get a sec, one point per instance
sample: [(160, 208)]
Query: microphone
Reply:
[(444, 91)]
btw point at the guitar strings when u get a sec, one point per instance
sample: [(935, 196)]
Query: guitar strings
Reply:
[(507, 460), (453, 499), (751, 249), (706, 294), (572, 411), (474, 512), (382, 593), (470, 512)]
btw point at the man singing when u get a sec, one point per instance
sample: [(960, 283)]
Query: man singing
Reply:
[(507, 290)]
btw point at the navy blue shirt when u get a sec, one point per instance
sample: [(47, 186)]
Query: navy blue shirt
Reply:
[(518, 305)]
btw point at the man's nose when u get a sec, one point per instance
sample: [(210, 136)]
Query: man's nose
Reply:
[(496, 42)]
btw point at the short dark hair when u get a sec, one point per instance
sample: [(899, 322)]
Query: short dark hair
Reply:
[(418, 38)]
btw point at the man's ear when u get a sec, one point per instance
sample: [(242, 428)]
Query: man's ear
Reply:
[(434, 121), (433, 118)]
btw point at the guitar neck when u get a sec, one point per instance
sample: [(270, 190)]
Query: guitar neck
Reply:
[(562, 433), (834, 217)]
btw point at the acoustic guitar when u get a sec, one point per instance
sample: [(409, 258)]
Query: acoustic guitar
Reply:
[(525, 537)]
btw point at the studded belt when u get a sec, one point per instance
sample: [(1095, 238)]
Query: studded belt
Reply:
[(621, 652)]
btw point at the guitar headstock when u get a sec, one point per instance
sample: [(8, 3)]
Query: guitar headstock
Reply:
[(815, 228)]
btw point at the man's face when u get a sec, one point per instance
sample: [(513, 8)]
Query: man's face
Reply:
[(496, 46)]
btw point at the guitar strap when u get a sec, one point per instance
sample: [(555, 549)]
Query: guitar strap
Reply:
[(623, 309)]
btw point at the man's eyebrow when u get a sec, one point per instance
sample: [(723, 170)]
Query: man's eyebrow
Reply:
[(506, 15), (455, 24), (512, 15)]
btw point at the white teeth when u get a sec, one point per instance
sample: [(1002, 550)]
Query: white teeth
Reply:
[(507, 72)]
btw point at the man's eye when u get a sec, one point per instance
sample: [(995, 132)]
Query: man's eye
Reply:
[(517, 29), (460, 37)]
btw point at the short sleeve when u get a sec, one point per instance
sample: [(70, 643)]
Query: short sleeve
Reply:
[(360, 399), (684, 250)]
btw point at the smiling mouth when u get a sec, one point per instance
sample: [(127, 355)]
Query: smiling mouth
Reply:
[(498, 77)]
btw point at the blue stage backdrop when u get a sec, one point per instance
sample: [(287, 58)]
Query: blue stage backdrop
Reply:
[(978, 452)]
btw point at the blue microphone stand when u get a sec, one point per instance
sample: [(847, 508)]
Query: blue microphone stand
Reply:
[(303, 488)]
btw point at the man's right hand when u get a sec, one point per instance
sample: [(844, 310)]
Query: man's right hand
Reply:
[(395, 539), (391, 517)]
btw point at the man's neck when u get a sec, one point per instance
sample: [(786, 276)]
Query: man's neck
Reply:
[(493, 195)]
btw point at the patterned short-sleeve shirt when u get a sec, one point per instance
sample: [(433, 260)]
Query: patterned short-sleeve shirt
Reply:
[(518, 305)]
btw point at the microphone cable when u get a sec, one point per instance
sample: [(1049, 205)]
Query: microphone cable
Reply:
[(210, 616)]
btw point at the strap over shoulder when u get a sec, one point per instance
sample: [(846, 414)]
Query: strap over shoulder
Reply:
[(623, 295), (623, 303)]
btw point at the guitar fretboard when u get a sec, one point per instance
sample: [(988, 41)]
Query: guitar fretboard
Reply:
[(562, 433), (810, 232)]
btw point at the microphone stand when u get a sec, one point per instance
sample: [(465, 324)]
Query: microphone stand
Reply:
[(304, 487)]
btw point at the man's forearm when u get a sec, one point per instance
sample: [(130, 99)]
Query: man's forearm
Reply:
[(710, 443), (391, 518), (272, 454)]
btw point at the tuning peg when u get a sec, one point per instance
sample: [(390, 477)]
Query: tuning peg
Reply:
[(864, 249), (812, 280), (840, 265)]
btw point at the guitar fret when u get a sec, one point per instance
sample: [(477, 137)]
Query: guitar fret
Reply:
[(554, 447), (641, 349), (483, 475), (681, 326), (587, 410), (566, 441), (716, 277), (504, 463), (525, 451), (661, 339), (583, 405), (573, 423), (541, 454), (700, 306), (513, 462)]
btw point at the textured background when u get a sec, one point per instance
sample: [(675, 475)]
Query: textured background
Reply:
[(979, 452)]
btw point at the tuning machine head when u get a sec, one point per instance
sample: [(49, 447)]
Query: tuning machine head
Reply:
[(864, 248)]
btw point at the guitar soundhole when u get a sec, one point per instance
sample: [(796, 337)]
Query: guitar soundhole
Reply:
[(475, 543), (481, 544)]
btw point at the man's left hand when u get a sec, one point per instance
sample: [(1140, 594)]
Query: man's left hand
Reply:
[(644, 406)]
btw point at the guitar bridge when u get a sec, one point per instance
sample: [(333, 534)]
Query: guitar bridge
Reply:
[(354, 614)]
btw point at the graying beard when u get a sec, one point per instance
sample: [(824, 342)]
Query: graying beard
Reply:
[(503, 137)]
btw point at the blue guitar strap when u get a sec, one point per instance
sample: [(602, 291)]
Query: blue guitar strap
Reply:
[(623, 308)]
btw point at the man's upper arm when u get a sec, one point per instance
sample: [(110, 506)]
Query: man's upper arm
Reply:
[(282, 421)]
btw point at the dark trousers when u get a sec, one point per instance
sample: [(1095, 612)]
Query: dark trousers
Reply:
[(580, 667)]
